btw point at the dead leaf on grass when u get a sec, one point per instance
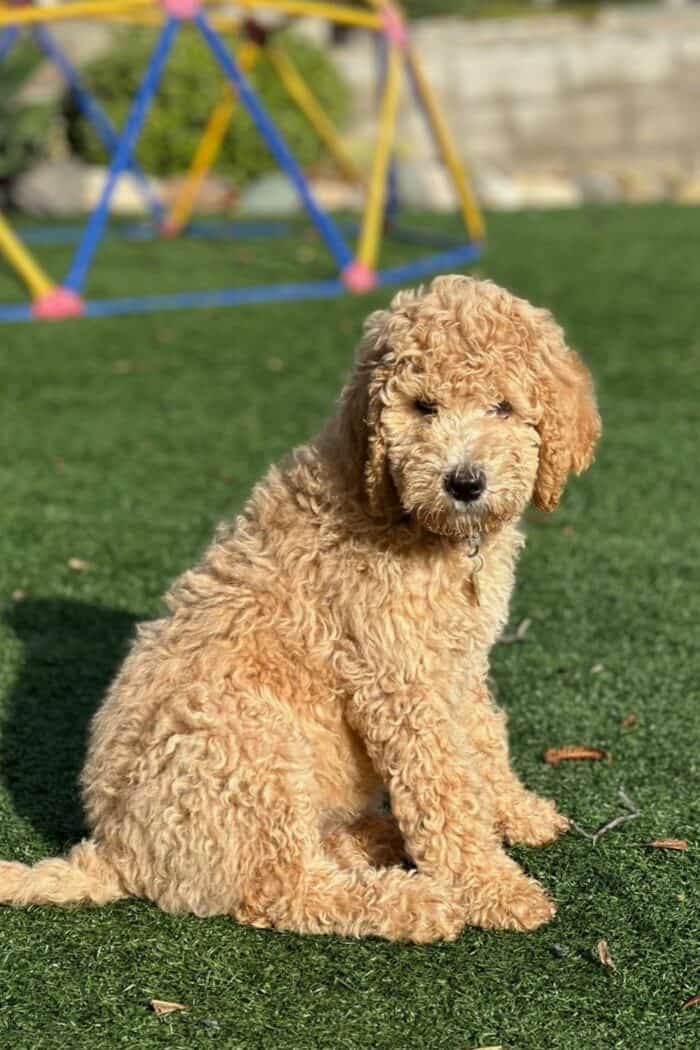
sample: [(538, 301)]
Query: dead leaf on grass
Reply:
[(79, 565), (629, 720), (597, 668), (693, 1001), (554, 755), (160, 1006), (678, 844), (18, 595), (604, 954)]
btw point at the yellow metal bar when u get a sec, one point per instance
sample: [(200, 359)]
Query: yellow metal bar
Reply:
[(98, 9), (224, 23), (311, 108), (368, 244), (339, 13), (473, 219), (79, 9), (139, 18), (204, 157), (208, 147), (20, 259)]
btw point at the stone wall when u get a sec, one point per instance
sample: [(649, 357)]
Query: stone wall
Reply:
[(611, 97)]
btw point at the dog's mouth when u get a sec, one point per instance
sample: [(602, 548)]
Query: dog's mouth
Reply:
[(459, 519), (477, 507), (453, 518), (456, 508)]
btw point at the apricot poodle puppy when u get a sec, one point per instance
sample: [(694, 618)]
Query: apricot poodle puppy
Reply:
[(333, 644)]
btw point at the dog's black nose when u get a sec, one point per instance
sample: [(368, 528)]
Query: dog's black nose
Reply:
[(465, 484)]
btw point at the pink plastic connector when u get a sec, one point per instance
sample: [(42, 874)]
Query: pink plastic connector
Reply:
[(181, 9), (394, 25), (58, 304), (358, 277), (169, 229)]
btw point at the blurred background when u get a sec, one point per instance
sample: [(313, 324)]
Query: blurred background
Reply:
[(552, 105)]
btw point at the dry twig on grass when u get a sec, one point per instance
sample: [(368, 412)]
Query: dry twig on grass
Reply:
[(632, 814)]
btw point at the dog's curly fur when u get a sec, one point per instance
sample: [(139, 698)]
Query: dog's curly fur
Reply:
[(333, 643)]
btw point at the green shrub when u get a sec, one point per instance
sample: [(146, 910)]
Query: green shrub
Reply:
[(23, 128), (190, 87)]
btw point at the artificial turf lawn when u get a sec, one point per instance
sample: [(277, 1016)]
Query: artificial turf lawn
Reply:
[(125, 440)]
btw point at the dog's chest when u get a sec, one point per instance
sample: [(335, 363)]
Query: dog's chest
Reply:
[(460, 598)]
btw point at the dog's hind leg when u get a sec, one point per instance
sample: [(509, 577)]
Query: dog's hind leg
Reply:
[(373, 839), (358, 902), (286, 880)]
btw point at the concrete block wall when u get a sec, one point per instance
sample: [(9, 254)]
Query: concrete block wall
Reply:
[(619, 92)]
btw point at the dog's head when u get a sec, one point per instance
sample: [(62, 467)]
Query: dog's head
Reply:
[(464, 405)]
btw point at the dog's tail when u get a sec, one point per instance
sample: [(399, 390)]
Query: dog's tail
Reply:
[(83, 877)]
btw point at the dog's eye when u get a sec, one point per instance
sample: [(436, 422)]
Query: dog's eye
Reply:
[(503, 408), (426, 408)]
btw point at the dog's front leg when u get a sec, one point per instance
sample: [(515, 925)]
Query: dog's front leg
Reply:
[(522, 816), (438, 799)]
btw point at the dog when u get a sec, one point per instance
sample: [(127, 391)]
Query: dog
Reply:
[(333, 644)]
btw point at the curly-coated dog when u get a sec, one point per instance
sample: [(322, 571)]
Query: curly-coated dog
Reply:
[(334, 644)]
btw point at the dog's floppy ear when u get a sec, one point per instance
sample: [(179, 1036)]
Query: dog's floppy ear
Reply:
[(569, 424), (361, 417)]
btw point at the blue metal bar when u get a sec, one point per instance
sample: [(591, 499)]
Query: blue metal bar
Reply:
[(7, 38), (93, 112), (269, 293), (273, 293), (18, 312), (430, 264), (223, 229), (121, 157), (391, 201), (275, 143), (143, 231)]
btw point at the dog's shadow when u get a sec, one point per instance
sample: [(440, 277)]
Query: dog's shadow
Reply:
[(71, 651)]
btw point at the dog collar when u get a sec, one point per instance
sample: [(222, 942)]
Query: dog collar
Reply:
[(474, 551), (474, 541)]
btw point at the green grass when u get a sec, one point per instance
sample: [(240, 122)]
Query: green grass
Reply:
[(126, 440)]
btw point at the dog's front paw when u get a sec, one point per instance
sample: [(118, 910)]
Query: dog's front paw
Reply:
[(509, 900), (533, 821), (529, 908)]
